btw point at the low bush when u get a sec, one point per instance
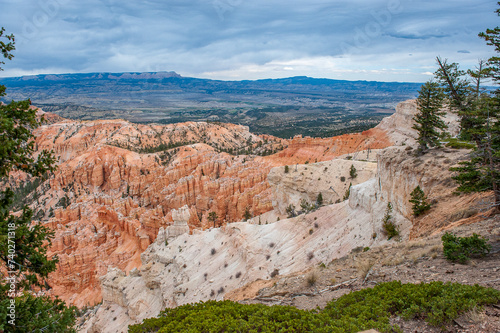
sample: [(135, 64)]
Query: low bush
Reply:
[(311, 279), (461, 249), (456, 144), (290, 211), (306, 206), (436, 302)]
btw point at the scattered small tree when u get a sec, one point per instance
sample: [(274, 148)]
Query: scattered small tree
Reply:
[(419, 201), (287, 169), (347, 192), (247, 215), (212, 216), (319, 199), (353, 172), (390, 228)]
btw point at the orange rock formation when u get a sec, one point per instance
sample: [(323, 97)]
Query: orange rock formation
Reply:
[(117, 183)]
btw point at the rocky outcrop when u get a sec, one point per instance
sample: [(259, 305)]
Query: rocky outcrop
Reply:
[(305, 182), (180, 226), (398, 127), (300, 150), (400, 170), (208, 264)]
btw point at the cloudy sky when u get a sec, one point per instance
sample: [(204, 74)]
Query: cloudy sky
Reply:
[(383, 40)]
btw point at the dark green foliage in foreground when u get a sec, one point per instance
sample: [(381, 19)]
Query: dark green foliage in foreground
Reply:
[(38, 314), (462, 248), (436, 302)]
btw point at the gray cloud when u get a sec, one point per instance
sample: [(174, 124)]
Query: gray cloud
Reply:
[(246, 39)]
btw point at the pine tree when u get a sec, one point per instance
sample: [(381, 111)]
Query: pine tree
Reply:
[(212, 216), (428, 122), (419, 201), (480, 119), (464, 97), (319, 199), (390, 228), (247, 215), (353, 172)]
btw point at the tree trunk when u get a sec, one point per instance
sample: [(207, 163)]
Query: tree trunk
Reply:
[(496, 190)]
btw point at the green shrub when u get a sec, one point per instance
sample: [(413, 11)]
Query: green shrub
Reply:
[(290, 210), (456, 144), (437, 302), (306, 206), (287, 169), (462, 248), (419, 201)]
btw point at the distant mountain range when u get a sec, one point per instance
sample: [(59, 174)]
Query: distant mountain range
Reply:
[(168, 97)]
